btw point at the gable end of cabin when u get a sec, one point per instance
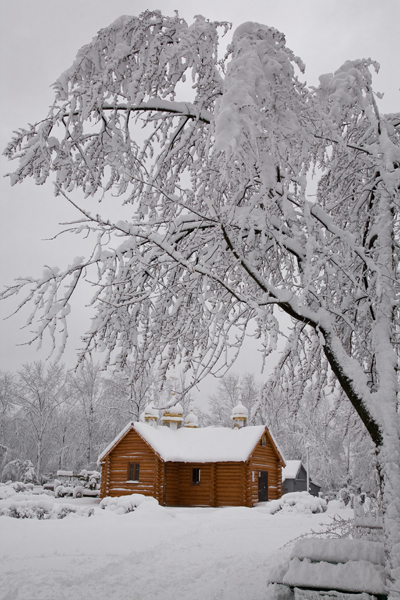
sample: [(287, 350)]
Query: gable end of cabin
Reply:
[(132, 466)]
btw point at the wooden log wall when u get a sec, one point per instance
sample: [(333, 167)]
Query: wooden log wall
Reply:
[(132, 449), (171, 479), (105, 477), (264, 458), (195, 494), (230, 484)]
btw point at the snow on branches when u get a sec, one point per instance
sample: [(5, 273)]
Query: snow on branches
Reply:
[(213, 157)]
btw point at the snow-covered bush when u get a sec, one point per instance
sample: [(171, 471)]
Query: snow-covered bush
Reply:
[(297, 502), (14, 487), (6, 491), (25, 506), (125, 504), (20, 470), (344, 495), (91, 479), (63, 490)]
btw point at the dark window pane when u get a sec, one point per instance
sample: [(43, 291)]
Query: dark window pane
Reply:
[(195, 476), (133, 472)]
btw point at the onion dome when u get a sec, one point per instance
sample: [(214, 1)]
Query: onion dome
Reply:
[(151, 414), (239, 415), (172, 417), (191, 420)]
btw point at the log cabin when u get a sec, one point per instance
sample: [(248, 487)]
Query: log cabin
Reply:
[(190, 466)]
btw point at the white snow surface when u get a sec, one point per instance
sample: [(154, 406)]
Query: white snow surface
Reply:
[(352, 576), (291, 469), (153, 553), (339, 551), (206, 444)]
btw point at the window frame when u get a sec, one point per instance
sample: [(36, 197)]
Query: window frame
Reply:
[(133, 469), (263, 441), (196, 475)]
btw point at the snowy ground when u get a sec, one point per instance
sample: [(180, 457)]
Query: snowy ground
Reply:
[(150, 554)]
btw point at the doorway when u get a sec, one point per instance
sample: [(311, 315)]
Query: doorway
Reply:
[(262, 486)]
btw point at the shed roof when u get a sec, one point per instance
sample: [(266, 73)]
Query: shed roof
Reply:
[(208, 444), (291, 470)]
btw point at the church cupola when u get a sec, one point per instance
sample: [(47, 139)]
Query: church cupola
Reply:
[(191, 420), (239, 415), (172, 417), (151, 414)]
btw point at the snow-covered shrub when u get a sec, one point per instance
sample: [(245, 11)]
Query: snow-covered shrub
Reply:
[(23, 506), (91, 479), (63, 490), (125, 504), (11, 488), (297, 502), (20, 470), (18, 486), (345, 496), (63, 510)]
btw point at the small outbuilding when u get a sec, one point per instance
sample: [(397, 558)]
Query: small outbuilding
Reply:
[(190, 466), (294, 479)]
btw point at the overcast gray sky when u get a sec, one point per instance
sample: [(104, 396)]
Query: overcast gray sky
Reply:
[(39, 39)]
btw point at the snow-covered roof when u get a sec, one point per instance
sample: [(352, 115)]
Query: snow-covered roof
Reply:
[(291, 470), (208, 444)]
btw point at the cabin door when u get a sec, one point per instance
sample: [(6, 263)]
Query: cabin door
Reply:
[(262, 486)]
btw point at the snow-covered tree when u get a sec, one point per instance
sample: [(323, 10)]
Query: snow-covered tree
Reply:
[(39, 393), (222, 233), (7, 391), (86, 388), (231, 388), (303, 404), (127, 391)]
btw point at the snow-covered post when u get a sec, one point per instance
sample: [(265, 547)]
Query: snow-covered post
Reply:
[(308, 445)]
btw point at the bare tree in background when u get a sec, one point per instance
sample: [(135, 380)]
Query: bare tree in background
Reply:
[(7, 390), (39, 393), (232, 387), (86, 386)]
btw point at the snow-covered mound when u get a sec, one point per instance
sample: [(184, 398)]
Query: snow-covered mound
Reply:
[(297, 502), (10, 489), (339, 551), (124, 504), (27, 506)]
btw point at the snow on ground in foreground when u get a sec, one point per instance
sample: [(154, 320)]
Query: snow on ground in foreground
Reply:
[(153, 553)]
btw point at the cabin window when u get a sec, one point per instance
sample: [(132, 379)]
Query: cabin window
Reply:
[(264, 440), (133, 472), (195, 476)]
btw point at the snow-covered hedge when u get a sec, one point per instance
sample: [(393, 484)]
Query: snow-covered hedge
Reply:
[(297, 502), (27, 506), (11, 488), (125, 504)]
